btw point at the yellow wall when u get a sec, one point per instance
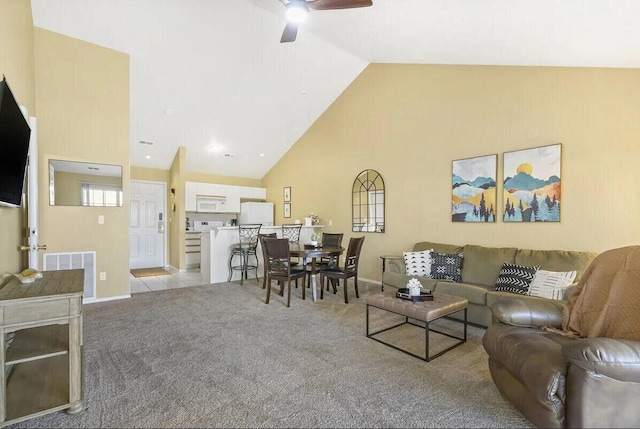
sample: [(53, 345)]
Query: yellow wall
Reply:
[(177, 216), (224, 180), (409, 122), (16, 63), (82, 91), (150, 174)]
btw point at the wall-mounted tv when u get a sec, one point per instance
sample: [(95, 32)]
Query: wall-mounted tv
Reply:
[(14, 148)]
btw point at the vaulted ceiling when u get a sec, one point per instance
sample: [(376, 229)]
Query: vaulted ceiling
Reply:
[(212, 75)]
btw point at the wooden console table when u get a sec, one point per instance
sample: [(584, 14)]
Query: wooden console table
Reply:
[(41, 344)]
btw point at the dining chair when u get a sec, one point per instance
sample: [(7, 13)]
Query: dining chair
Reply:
[(265, 262), (329, 239), (246, 246), (350, 268), (279, 266)]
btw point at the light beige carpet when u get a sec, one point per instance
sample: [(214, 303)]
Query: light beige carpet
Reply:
[(148, 272)]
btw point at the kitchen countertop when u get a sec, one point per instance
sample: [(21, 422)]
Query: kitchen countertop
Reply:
[(193, 231), (264, 227)]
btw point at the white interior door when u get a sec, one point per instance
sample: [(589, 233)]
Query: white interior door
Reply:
[(147, 238)]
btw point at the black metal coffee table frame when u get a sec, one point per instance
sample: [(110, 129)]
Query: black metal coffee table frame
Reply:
[(426, 328)]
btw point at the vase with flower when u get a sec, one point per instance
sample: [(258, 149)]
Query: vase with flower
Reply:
[(315, 236)]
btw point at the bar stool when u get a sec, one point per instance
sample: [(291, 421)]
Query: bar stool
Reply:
[(246, 246)]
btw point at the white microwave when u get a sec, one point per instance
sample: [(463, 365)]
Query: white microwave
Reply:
[(207, 204)]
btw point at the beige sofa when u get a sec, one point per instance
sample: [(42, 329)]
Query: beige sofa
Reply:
[(480, 269)]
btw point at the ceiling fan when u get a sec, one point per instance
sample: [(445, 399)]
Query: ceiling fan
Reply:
[(297, 11)]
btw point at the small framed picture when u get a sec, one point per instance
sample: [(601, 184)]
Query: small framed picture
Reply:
[(287, 194), (287, 209)]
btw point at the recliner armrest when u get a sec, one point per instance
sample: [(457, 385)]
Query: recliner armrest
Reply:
[(527, 313), (613, 358)]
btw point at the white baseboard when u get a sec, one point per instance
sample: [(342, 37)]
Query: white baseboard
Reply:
[(109, 298)]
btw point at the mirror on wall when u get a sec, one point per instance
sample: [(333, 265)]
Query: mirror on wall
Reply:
[(73, 183), (368, 202)]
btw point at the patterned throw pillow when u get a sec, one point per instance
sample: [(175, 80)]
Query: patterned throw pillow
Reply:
[(551, 284), (418, 263), (515, 278), (446, 266)]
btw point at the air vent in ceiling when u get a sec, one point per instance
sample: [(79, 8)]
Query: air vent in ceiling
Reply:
[(144, 142)]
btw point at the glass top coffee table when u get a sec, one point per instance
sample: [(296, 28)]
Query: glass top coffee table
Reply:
[(425, 311)]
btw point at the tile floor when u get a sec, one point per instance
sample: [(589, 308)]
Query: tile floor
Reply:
[(176, 280)]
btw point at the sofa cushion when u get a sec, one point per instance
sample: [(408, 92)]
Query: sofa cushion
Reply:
[(446, 266), (475, 294), (437, 247), (418, 263), (515, 278), (482, 264), (551, 284), (556, 260)]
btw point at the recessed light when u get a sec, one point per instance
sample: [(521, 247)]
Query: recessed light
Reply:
[(148, 156), (262, 154), (216, 148)]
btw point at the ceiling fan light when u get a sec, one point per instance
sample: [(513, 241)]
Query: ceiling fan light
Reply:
[(297, 11)]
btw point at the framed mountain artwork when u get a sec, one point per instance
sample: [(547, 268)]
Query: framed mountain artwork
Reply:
[(473, 189), (531, 186)]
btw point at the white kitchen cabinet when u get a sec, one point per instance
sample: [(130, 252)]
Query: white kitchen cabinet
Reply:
[(253, 192), (232, 193), (190, 193), (233, 199), (211, 189), (192, 250)]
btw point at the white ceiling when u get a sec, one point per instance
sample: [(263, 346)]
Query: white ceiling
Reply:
[(213, 76)]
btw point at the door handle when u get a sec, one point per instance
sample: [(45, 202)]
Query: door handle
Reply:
[(38, 247)]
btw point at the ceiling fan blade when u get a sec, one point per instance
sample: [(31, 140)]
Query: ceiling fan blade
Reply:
[(338, 4), (290, 32)]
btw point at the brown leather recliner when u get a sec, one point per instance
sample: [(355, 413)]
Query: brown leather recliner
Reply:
[(558, 381)]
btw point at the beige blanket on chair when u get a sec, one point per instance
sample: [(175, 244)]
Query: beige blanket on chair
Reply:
[(606, 301)]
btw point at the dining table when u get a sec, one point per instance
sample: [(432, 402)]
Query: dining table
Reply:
[(310, 252)]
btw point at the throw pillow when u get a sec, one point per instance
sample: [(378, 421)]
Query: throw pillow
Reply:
[(446, 266), (551, 284), (515, 278), (418, 263)]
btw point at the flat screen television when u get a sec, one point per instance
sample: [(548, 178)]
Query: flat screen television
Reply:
[(14, 148)]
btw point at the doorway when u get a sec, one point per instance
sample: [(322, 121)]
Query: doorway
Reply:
[(147, 224)]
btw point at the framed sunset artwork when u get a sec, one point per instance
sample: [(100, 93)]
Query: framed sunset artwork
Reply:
[(532, 185)]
